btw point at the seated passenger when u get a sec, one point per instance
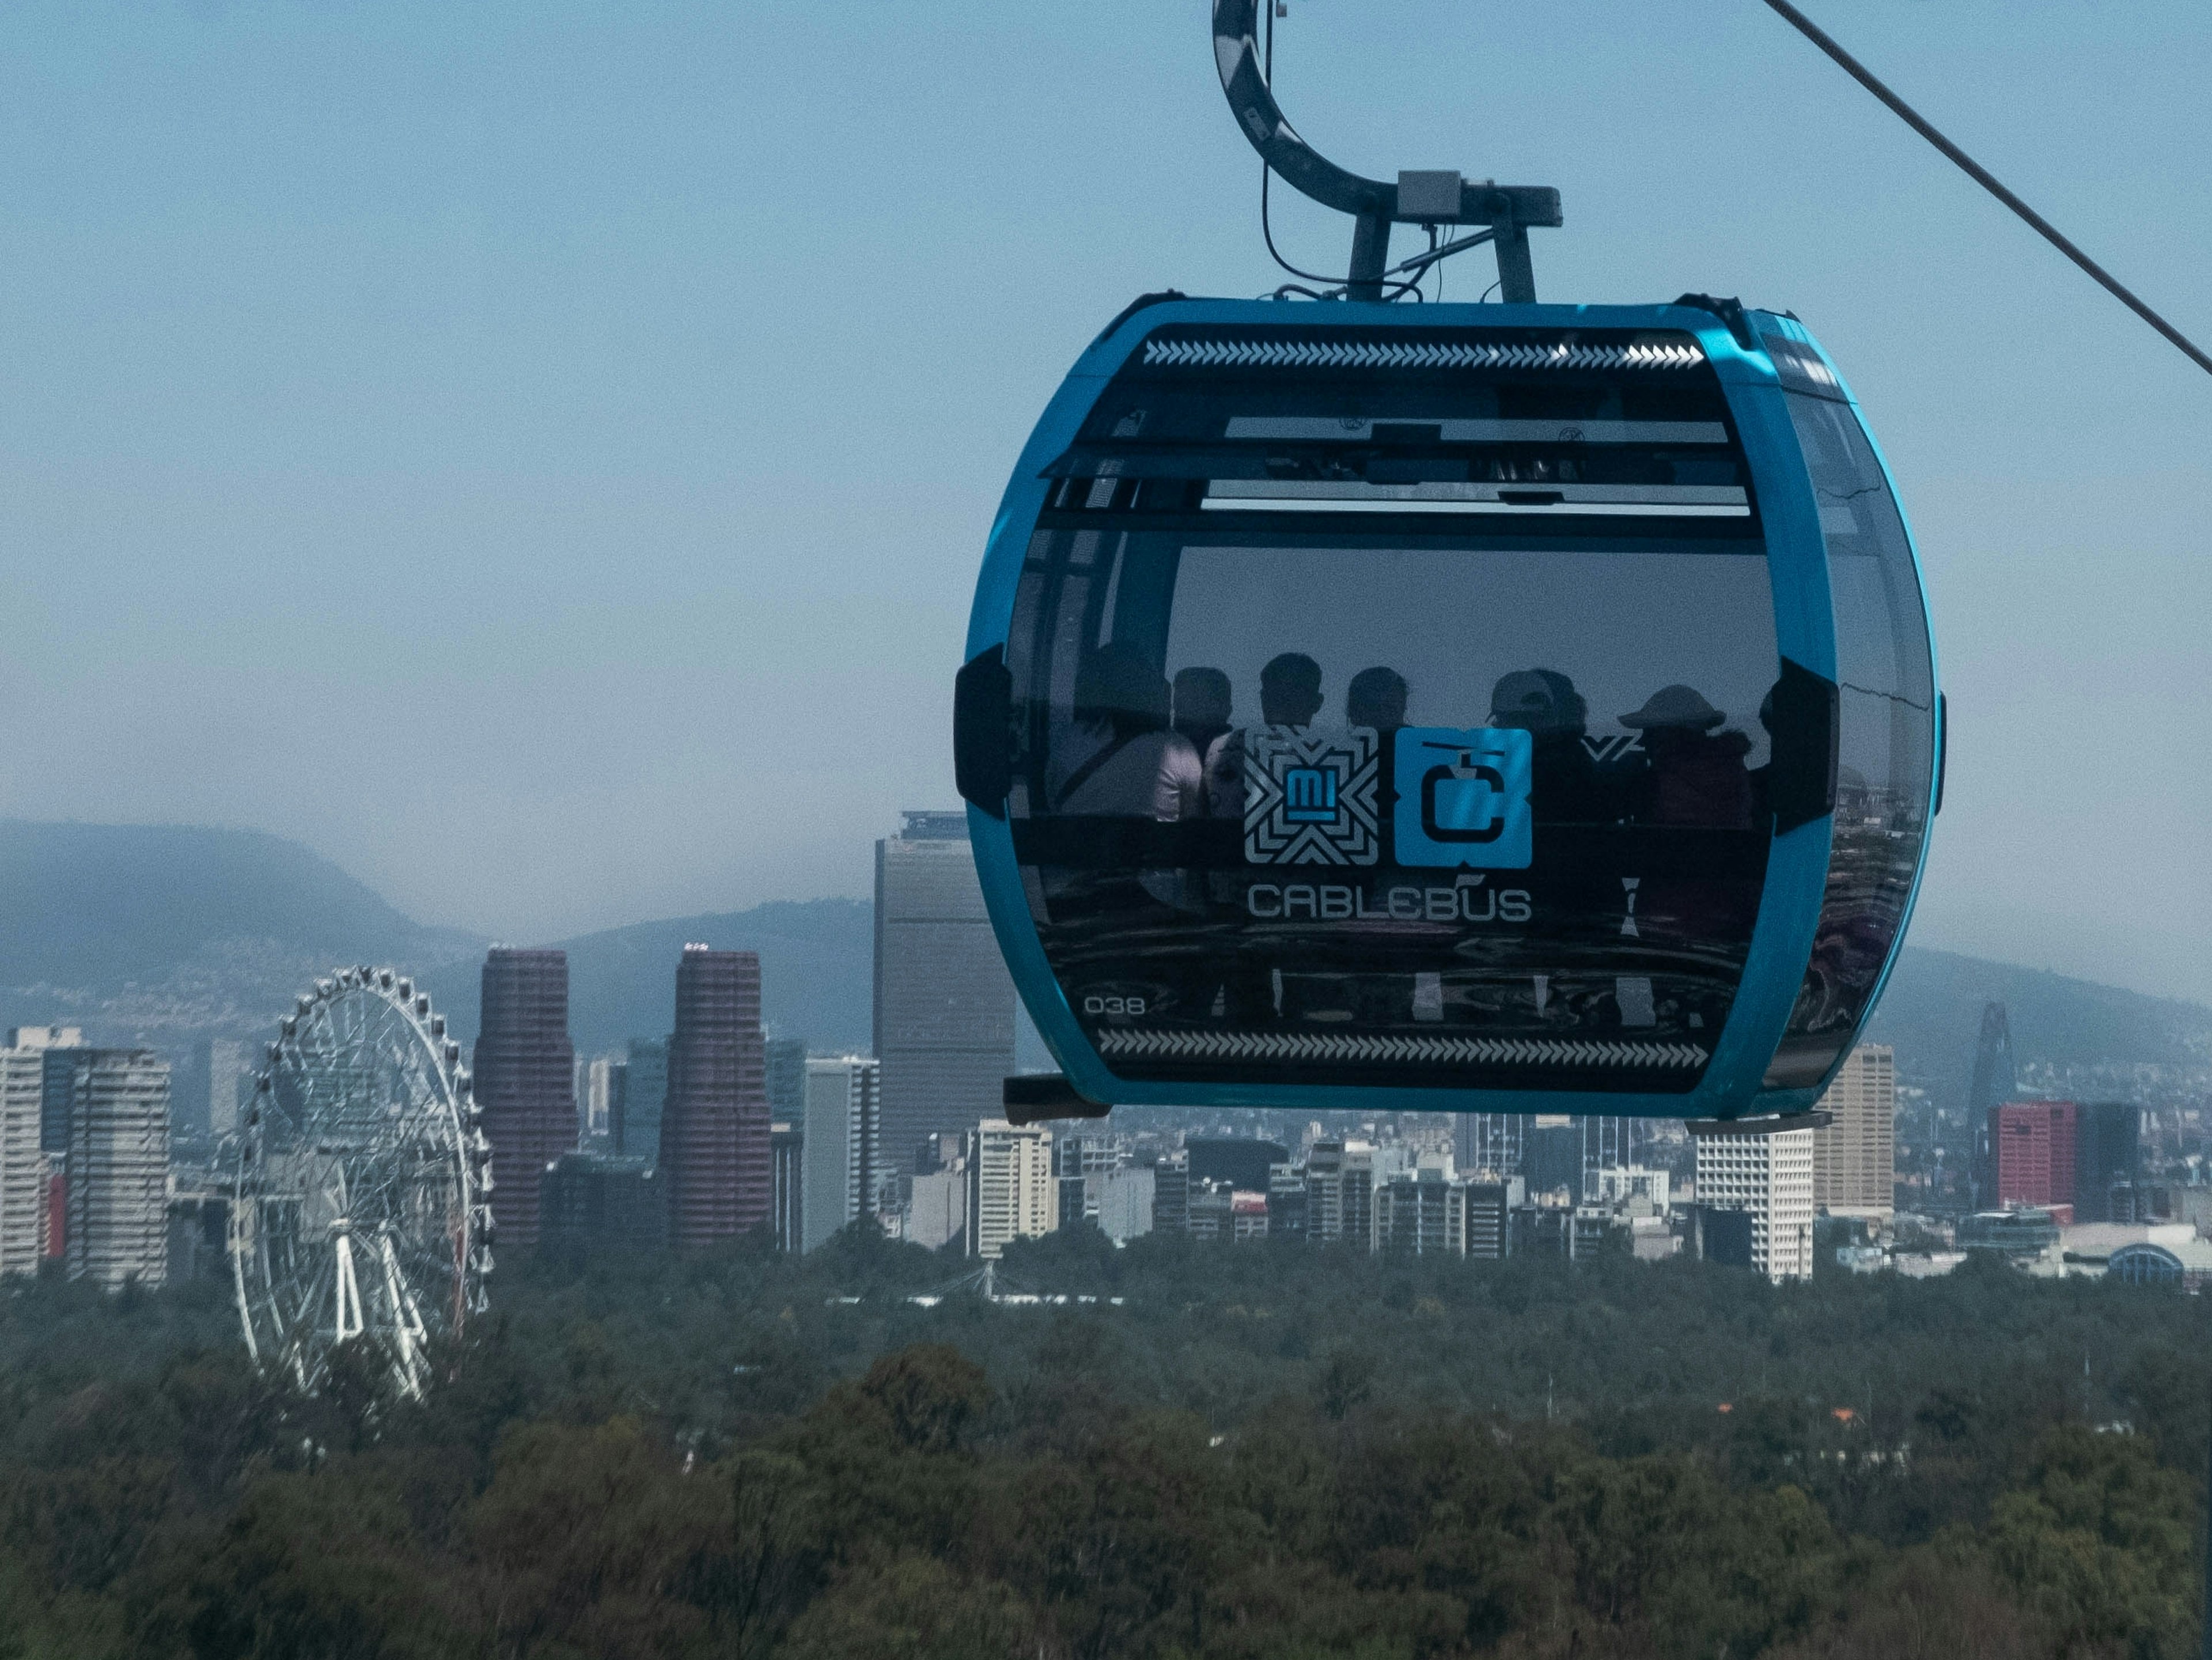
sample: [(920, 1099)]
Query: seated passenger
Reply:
[(1119, 756), (1696, 775), (1565, 785)]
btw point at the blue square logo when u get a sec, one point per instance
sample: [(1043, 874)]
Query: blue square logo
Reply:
[(1310, 795), (1463, 797)]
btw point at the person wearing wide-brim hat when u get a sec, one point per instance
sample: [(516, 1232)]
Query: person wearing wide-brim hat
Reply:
[(1697, 776), (1683, 706)]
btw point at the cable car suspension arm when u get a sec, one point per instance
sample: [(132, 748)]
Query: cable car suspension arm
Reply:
[(1418, 198)]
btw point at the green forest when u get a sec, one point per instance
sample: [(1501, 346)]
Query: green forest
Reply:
[(1267, 1449)]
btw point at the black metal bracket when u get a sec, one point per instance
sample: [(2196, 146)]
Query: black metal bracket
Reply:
[(1418, 198), (1770, 1123), (1031, 1098)]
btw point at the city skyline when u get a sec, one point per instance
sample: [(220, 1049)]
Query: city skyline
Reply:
[(636, 502)]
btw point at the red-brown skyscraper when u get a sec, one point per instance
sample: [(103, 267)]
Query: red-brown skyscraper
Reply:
[(525, 1082), (2032, 1150), (714, 1153)]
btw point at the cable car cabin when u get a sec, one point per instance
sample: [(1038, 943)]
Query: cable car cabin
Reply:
[(1469, 707)]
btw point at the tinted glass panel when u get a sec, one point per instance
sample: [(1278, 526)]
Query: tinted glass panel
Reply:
[(1386, 811), (1887, 754)]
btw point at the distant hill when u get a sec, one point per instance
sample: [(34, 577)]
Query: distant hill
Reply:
[(163, 934), (1932, 1012), (816, 974), (160, 932)]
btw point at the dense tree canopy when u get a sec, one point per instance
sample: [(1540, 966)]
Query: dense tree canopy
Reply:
[(1260, 1450)]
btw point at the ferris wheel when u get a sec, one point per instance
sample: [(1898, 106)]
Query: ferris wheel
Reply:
[(360, 1209)]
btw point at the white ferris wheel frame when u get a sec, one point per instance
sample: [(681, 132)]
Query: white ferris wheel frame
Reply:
[(336, 1231)]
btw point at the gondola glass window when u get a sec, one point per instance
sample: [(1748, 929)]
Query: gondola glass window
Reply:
[(1374, 800), (1886, 747)]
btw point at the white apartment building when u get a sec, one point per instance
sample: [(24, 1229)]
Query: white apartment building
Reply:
[(23, 1167), (1012, 1192), (1631, 1185), (841, 1161), (1855, 1157), (1125, 1202), (937, 1213), (1770, 1176), (118, 1168)]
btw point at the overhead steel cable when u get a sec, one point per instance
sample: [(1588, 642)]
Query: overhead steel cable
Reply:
[(1982, 176)]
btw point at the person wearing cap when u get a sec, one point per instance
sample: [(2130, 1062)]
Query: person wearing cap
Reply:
[(1697, 776), (1564, 784)]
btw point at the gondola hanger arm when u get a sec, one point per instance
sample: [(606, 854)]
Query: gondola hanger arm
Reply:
[(1436, 197)]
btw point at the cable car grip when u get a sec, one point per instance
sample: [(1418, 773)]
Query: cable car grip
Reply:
[(1418, 198)]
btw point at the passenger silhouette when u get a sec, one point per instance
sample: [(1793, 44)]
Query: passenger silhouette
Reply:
[(1118, 756), (1290, 696), (1202, 706), (1289, 690), (1697, 776), (1565, 785), (1376, 698)]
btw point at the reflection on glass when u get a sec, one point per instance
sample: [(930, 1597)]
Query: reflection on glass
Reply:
[(1463, 812), (1887, 750)]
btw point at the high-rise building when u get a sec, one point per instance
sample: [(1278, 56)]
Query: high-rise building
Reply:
[(713, 1133), (1287, 1200), (1769, 1176), (1608, 1143), (594, 1204), (119, 1167), (944, 1002), (645, 1094), (1552, 1158), (1240, 1161), (1489, 1143), (22, 1166), (1490, 1208), (58, 1088), (602, 1082), (1171, 1193), (1854, 1154), (2108, 1163), (937, 1213), (1340, 1178), (843, 1161), (2032, 1153), (1993, 1084), (1422, 1212), (784, 1061), (219, 1064), (1124, 1201), (1011, 1193), (525, 1081), (1496, 1143), (786, 1152)]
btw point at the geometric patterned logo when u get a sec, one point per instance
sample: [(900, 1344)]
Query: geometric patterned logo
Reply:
[(1310, 796)]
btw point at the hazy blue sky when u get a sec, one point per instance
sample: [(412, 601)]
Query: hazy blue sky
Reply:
[(538, 455)]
